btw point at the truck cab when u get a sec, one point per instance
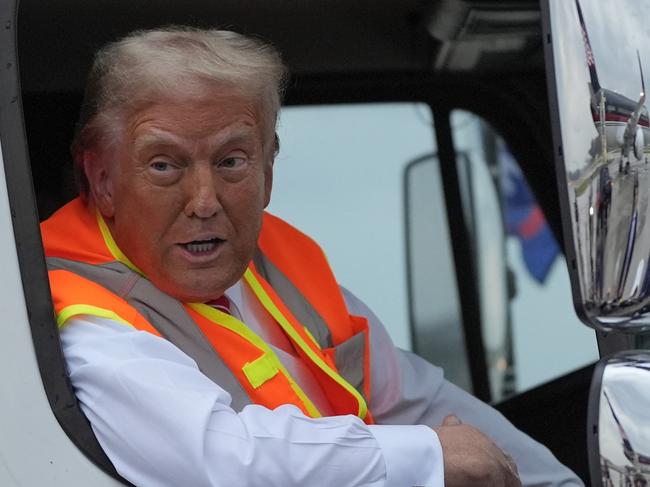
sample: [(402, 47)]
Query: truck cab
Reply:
[(416, 145)]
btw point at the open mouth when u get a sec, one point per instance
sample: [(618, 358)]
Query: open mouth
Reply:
[(199, 247)]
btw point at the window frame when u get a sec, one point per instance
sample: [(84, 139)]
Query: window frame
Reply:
[(31, 259), (442, 94), (464, 257)]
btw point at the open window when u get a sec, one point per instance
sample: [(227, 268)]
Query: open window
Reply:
[(398, 204), (530, 330)]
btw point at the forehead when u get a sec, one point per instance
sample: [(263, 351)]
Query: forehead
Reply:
[(196, 117)]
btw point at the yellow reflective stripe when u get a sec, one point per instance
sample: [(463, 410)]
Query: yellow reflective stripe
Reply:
[(112, 245), (312, 337), (270, 306), (233, 324), (260, 370), (86, 309)]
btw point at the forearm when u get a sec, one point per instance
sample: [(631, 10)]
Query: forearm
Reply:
[(431, 398), (409, 390)]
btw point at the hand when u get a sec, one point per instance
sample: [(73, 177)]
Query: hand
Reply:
[(471, 458)]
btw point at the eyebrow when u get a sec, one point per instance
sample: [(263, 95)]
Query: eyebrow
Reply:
[(155, 137)]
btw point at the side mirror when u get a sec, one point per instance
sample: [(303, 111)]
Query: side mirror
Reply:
[(602, 134), (602, 146), (619, 421)]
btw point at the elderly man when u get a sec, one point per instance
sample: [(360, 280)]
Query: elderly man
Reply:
[(208, 342)]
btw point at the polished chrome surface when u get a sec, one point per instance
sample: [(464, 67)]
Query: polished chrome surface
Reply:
[(601, 52), (624, 421)]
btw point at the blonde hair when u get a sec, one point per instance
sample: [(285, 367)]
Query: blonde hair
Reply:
[(175, 62)]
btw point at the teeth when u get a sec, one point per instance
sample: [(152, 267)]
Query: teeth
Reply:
[(201, 247)]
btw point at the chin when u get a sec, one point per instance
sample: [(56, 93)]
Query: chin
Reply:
[(198, 285), (194, 297), (190, 293), (202, 292)]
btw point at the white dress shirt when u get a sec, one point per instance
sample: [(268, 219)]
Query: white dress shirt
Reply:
[(163, 423)]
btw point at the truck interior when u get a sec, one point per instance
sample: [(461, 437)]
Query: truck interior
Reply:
[(485, 57)]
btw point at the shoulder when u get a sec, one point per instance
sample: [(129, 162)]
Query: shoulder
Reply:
[(106, 344), (275, 229)]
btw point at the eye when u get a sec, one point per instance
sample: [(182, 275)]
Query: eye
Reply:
[(161, 166), (234, 162), (234, 167), (164, 172)]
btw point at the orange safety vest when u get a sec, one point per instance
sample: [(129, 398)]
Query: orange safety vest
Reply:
[(289, 275)]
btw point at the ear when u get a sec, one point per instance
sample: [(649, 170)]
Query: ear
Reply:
[(268, 170), (100, 180), (268, 181)]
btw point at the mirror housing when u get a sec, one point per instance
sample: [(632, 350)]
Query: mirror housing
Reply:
[(601, 131), (619, 421)]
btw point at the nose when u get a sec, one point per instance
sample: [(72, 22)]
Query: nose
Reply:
[(202, 193)]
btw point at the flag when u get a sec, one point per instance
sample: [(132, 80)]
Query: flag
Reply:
[(524, 218)]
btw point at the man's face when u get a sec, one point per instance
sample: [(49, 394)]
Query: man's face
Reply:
[(183, 192)]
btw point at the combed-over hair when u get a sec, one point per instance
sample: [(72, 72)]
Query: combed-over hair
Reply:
[(172, 62)]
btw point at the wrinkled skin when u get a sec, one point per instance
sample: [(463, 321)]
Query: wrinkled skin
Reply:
[(471, 458), (183, 171)]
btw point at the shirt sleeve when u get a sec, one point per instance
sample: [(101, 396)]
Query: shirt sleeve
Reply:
[(407, 389), (163, 423)]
